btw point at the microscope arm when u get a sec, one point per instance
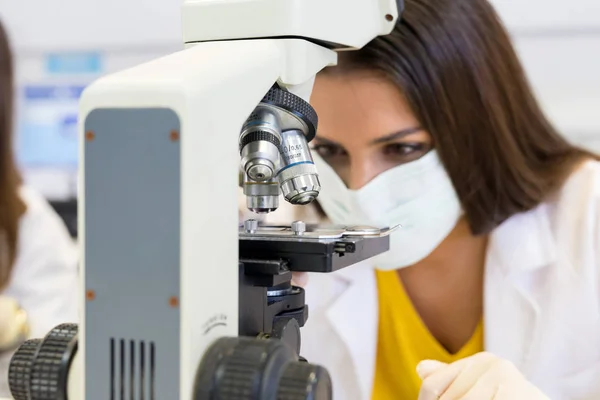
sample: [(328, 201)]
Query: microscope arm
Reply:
[(209, 89)]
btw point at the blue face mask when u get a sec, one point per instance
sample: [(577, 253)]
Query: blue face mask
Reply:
[(418, 196)]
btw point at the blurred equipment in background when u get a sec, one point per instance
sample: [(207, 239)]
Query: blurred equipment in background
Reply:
[(55, 59), (67, 210)]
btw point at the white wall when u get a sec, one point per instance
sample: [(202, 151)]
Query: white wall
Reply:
[(550, 15), (559, 44), (82, 24), (564, 72)]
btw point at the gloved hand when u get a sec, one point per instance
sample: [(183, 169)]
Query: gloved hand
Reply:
[(14, 326), (479, 377), (300, 279)]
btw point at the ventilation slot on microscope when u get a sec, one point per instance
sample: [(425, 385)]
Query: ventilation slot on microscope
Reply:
[(132, 370)]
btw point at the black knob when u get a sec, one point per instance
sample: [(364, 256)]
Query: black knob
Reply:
[(303, 381), (50, 370), (245, 368), (287, 330), (19, 371)]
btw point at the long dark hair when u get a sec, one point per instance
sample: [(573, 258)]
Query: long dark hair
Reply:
[(11, 205), (454, 63)]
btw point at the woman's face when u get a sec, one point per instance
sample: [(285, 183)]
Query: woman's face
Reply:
[(365, 127)]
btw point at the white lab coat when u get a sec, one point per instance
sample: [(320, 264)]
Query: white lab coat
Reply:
[(541, 308), (45, 275)]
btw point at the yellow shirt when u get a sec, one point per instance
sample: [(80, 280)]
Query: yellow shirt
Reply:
[(404, 341)]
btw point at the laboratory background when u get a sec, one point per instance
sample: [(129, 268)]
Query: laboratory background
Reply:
[(61, 49)]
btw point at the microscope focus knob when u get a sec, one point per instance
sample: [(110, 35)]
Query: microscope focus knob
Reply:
[(245, 368), (287, 330), (19, 370), (40, 367), (303, 381), (51, 366)]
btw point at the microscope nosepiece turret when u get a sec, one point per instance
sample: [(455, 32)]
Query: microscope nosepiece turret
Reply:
[(275, 157)]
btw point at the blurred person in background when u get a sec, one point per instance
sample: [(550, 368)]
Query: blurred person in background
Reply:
[(491, 287), (38, 258)]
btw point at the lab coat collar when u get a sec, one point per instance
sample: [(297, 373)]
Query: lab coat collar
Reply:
[(354, 316), (518, 249), (523, 243)]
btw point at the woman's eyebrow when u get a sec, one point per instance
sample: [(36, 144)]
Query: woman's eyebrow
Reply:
[(328, 142), (384, 139), (397, 135)]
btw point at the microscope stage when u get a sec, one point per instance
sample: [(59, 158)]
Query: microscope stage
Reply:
[(312, 248)]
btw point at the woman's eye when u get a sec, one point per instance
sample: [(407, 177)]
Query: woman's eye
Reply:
[(328, 151), (401, 149)]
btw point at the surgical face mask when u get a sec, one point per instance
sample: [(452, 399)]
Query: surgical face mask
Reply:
[(418, 196)]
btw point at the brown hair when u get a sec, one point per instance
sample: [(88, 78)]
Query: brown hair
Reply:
[(456, 67), (11, 205)]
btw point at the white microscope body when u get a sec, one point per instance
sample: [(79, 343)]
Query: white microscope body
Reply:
[(160, 162)]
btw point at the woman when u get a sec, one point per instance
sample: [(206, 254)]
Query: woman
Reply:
[(38, 263), (491, 288)]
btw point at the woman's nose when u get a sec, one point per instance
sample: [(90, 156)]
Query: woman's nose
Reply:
[(362, 171)]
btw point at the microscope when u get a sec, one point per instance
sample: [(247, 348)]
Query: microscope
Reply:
[(179, 299)]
